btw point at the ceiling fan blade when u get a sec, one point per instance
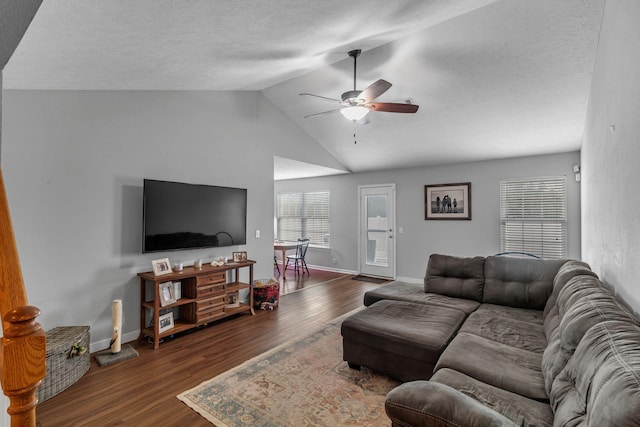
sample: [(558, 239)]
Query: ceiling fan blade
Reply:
[(393, 107), (374, 90), (322, 97), (324, 112)]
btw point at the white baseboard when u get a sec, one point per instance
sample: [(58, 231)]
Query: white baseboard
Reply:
[(104, 344), (325, 268)]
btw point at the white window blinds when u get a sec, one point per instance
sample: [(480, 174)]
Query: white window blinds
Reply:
[(533, 216), (304, 215)]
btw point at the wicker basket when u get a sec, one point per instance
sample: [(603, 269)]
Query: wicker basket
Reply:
[(266, 294), (68, 359)]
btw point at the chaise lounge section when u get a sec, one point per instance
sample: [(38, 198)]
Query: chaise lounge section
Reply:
[(541, 342)]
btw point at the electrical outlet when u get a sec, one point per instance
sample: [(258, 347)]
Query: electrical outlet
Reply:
[(257, 234)]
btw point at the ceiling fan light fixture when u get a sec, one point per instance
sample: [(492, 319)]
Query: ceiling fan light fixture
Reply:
[(354, 113)]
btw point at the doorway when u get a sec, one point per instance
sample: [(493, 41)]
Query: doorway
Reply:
[(376, 219)]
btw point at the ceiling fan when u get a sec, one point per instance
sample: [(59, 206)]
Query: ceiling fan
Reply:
[(356, 104)]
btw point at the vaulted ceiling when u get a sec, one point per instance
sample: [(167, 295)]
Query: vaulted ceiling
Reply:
[(493, 79)]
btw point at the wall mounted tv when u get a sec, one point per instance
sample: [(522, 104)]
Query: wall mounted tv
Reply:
[(190, 216)]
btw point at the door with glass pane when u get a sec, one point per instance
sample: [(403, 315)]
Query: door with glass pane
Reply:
[(377, 230)]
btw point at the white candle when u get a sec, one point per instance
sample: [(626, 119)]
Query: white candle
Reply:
[(116, 323)]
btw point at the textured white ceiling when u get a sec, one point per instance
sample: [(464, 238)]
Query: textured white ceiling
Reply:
[(493, 78)]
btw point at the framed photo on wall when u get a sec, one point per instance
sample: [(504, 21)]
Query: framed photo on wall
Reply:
[(447, 201)]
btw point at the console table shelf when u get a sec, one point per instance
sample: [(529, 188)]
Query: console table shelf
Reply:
[(209, 294)]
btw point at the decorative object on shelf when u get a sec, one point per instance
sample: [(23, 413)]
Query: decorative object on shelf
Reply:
[(116, 324), (178, 266), (167, 295), (232, 300), (239, 256), (165, 322), (161, 266), (217, 263), (177, 290), (447, 201), (266, 293), (198, 264)]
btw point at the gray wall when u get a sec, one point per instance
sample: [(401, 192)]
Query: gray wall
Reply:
[(610, 156), (480, 236), (74, 162)]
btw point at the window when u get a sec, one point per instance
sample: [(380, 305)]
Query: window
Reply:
[(304, 215), (533, 216)]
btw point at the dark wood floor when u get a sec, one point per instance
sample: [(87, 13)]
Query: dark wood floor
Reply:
[(142, 391)]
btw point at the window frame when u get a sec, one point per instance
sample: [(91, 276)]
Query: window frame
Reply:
[(533, 216), (311, 220)]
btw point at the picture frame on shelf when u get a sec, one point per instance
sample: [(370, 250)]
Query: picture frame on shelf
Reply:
[(239, 256), (161, 266), (232, 300), (165, 322), (167, 293), (447, 201)]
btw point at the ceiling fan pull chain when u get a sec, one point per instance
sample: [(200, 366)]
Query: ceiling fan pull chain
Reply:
[(354, 132)]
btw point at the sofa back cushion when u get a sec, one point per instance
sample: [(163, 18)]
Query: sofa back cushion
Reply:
[(455, 276), (595, 305), (566, 272), (600, 386), (519, 282)]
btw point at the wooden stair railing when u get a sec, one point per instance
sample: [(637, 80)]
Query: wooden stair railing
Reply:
[(23, 347)]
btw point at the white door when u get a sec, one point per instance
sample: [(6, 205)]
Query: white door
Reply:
[(377, 224)]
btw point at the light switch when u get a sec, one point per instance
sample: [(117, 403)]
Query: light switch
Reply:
[(257, 234)]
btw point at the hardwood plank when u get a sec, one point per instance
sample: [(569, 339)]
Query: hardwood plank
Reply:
[(142, 391)]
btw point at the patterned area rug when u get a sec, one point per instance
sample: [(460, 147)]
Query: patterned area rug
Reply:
[(302, 383)]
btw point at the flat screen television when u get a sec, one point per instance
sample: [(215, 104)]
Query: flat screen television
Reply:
[(189, 216)]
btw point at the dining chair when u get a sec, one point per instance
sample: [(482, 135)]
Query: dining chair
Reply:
[(298, 258), (275, 264)]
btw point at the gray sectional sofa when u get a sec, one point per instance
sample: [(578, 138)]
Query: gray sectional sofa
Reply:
[(524, 342)]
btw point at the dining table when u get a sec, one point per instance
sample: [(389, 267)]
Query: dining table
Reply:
[(283, 247)]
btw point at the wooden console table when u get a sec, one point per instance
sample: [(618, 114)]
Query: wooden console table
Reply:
[(205, 296)]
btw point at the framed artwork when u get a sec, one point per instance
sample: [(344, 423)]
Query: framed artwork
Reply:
[(165, 322), (239, 256), (232, 300), (447, 201), (167, 293), (161, 266)]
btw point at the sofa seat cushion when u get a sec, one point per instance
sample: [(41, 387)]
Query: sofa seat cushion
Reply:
[(515, 333), (600, 385), (519, 409), (414, 292), (497, 364), (521, 314), (431, 404), (387, 333), (455, 276), (524, 283)]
